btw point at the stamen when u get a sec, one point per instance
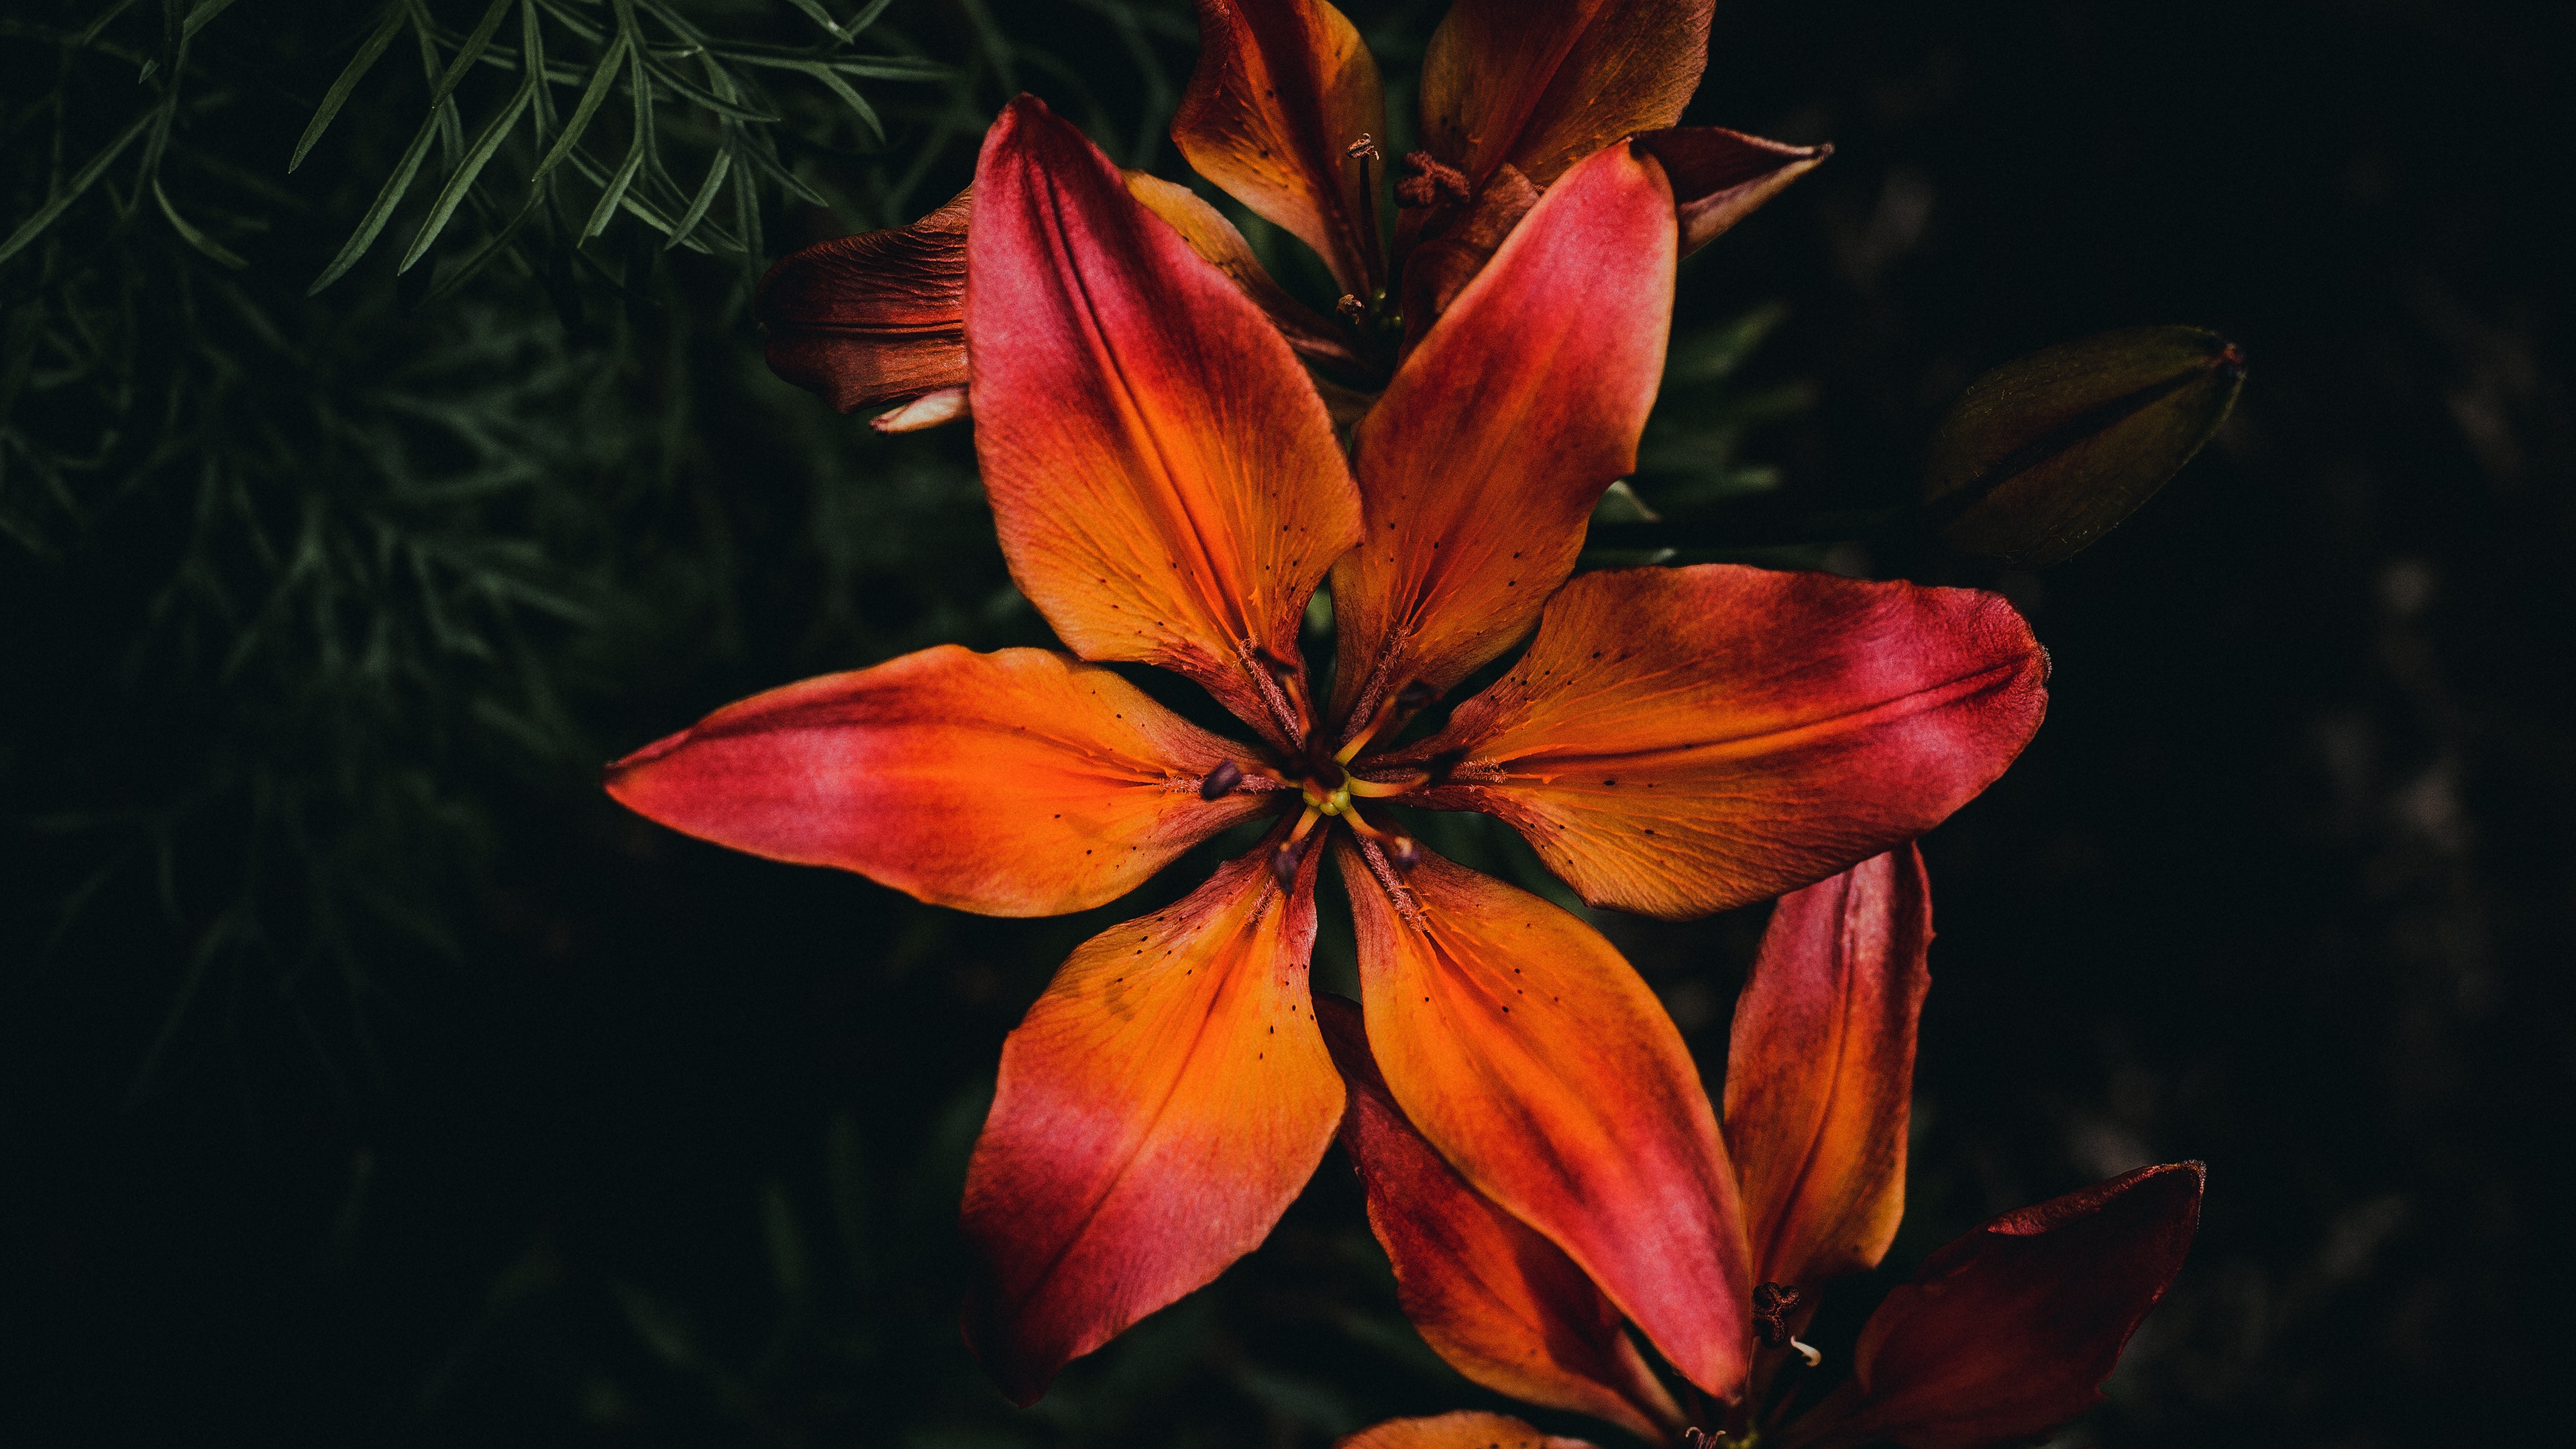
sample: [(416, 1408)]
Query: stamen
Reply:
[(1403, 705), (1809, 1352), (1284, 860), (1404, 850), (1352, 307), (1220, 780), (1380, 789), (1431, 183), (1772, 1304), (1364, 151)]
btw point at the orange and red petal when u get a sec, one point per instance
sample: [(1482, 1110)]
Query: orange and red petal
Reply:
[(1158, 1109), (1281, 91), (2010, 1330), (1479, 467), (873, 318), (1217, 241), (1164, 478), (1543, 87), (1680, 741), (1522, 1046), (1019, 783), (1720, 177), (1820, 1070), (1493, 1297), (1462, 1430)]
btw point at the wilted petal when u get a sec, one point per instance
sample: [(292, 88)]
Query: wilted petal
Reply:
[(1282, 89), (1543, 86), (1215, 239), (1020, 783), (1479, 468), (1159, 1108), (1164, 478), (1461, 1430), (1522, 1046), (1679, 741), (873, 318), (1493, 1297), (1720, 177), (1820, 1070), (2010, 1330)]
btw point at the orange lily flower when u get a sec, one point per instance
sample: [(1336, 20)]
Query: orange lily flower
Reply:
[(1283, 112), (2006, 1333), (1169, 489)]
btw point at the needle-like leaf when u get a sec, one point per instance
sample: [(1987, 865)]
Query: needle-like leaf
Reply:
[(212, 249), (338, 96), (450, 196), (81, 181), (373, 223)]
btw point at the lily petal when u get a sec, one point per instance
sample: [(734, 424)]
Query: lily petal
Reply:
[(1282, 87), (2010, 1330), (1493, 1297), (1215, 239), (1158, 1109), (1020, 783), (1164, 477), (1461, 1430), (1542, 87), (1821, 1068), (1522, 1046), (1679, 741), (1720, 177), (873, 318), (1479, 468)]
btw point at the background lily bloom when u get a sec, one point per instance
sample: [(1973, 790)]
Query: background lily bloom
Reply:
[(2004, 1334), (1168, 489), (1285, 111)]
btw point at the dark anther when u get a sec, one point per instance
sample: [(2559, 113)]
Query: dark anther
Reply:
[(1363, 149), (1772, 1304), (1351, 307), (1414, 696), (1404, 850), (1430, 182), (1223, 778), (1284, 862)]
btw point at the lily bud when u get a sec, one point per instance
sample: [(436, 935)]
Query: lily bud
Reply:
[(2042, 456)]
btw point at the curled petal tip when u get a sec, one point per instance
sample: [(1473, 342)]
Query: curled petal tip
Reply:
[(929, 410)]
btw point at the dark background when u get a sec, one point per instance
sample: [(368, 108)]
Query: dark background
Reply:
[(366, 1076)]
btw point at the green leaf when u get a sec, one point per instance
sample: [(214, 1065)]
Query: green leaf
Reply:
[(615, 191), (453, 194), (851, 98), (700, 95), (2042, 456), (212, 249), (338, 95), (603, 79), (205, 11), (373, 223), (82, 180), (705, 198), (821, 17)]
